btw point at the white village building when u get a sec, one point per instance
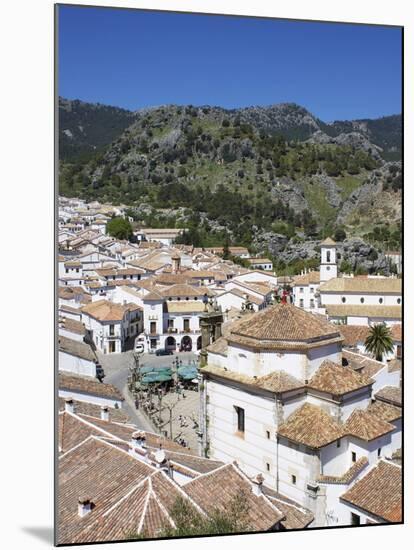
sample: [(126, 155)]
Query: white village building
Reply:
[(110, 325), (362, 300)]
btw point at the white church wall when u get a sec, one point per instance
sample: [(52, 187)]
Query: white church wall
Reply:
[(254, 449)]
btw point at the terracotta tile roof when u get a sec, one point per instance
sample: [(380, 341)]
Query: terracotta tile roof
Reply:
[(146, 244), (202, 274), (366, 426), (132, 291), (354, 334), (284, 326), (296, 516), (152, 296), (217, 489), (394, 365), (259, 261), (185, 307), (390, 394), (72, 326), (104, 310), (172, 278), (145, 511), (183, 290), (148, 265), (74, 293), (75, 428), (220, 276), (90, 409), (88, 386), (337, 380), (241, 294), (311, 426), (285, 279), (328, 242), (310, 278), (275, 382), (71, 431), (384, 411), (92, 284), (148, 283), (190, 464), (379, 492), (366, 365), (63, 308), (367, 285), (219, 346), (110, 283), (99, 471), (111, 272), (396, 333), (260, 288), (278, 381), (348, 476), (386, 312), (76, 348)]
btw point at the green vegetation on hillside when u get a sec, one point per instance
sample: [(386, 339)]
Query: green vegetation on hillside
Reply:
[(234, 169), (120, 228)]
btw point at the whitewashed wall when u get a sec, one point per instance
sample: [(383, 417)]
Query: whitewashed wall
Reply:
[(70, 363), (88, 398), (354, 298), (254, 450)]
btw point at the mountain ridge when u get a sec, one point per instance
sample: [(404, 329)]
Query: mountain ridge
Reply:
[(289, 119)]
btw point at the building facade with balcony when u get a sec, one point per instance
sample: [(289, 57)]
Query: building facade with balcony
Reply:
[(171, 318), (110, 325)]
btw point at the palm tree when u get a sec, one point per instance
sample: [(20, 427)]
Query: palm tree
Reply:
[(379, 341)]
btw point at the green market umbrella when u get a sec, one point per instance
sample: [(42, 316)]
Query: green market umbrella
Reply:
[(187, 373), (153, 377)]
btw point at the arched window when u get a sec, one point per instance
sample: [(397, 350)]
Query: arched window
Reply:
[(398, 300), (328, 256), (380, 300), (343, 299), (362, 300)]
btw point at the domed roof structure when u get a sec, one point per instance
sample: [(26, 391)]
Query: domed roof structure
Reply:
[(284, 326)]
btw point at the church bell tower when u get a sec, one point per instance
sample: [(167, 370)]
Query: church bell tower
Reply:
[(328, 269)]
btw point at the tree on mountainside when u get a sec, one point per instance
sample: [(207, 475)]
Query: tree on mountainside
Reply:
[(339, 235), (120, 228)]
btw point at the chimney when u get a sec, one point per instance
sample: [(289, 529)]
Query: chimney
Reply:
[(105, 414), (84, 506), (258, 485), (160, 458), (138, 445), (138, 439), (176, 263), (69, 406)]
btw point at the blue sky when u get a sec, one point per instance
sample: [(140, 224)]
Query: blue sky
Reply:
[(135, 59)]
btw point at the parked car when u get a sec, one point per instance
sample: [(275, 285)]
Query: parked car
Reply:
[(163, 352)]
